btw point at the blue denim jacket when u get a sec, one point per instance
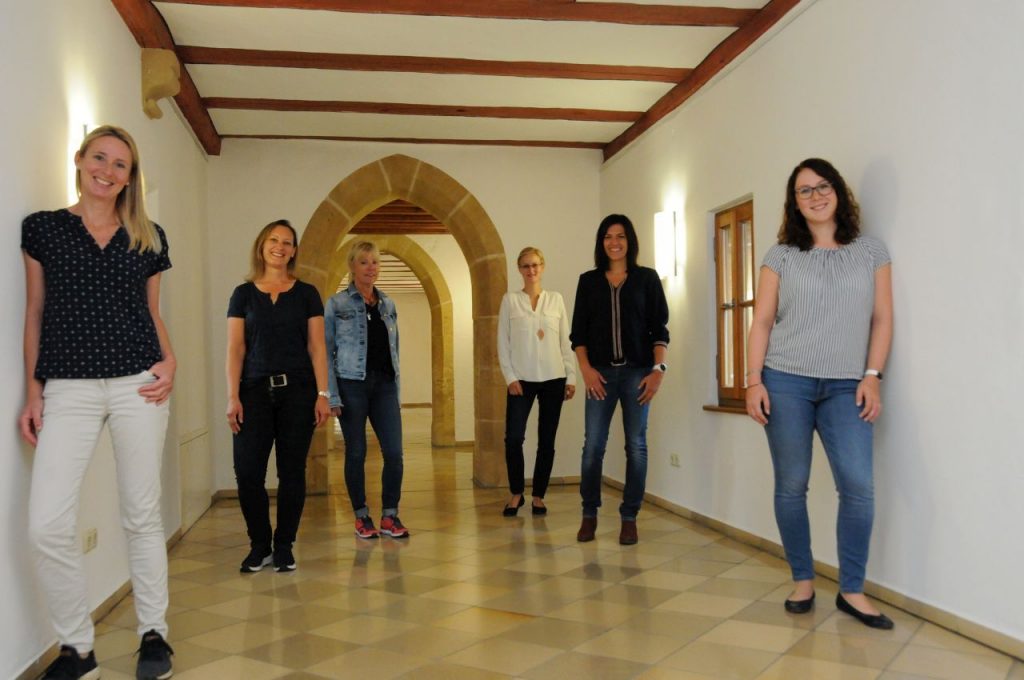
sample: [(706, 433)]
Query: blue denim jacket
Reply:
[(345, 329)]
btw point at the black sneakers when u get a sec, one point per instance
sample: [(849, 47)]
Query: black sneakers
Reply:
[(283, 559), (257, 558), (70, 666), (154, 658)]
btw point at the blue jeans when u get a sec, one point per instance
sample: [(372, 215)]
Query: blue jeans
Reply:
[(799, 406), (375, 398), (550, 394), (622, 386)]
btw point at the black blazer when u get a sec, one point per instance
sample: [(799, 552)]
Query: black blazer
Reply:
[(643, 317)]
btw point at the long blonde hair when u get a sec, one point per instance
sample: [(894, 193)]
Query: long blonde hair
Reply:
[(131, 202)]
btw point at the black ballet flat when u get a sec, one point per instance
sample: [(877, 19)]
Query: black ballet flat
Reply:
[(800, 606), (511, 511), (542, 510), (880, 621)]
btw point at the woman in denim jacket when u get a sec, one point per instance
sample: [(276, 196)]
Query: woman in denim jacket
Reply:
[(361, 327)]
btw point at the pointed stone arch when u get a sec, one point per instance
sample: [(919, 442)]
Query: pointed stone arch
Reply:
[(410, 179), (439, 298)]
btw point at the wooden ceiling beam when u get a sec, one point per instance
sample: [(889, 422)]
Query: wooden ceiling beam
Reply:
[(402, 64), (603, 12), (554, 144), (518, 112), (150, 30), (720, 57), (362, 228)]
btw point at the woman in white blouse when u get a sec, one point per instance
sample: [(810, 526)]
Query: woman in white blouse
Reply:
[(538, 363)]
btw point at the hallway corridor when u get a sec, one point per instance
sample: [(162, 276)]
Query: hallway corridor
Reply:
[(473, 595)]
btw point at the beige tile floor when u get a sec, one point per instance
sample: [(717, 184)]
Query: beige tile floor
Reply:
[(473, 595)]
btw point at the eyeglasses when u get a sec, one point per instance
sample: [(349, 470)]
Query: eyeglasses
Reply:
[(535, 265), (823, 189)]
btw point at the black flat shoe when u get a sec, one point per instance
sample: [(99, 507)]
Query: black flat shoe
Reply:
[(511, 511), (539, 510), (880, 621), (800, 606)]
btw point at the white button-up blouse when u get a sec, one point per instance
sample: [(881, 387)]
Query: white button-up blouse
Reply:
[(533, 344)]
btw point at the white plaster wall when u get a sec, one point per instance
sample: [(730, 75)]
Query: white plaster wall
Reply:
[(60, 61), (414, 346), (545, 197), (920, 105)]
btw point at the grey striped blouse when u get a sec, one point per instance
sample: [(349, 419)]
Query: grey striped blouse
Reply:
[(826, 298)]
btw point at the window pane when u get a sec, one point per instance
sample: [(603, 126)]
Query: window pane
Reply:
[(728, 369), (748, 320), (725, 261), (747, 257)]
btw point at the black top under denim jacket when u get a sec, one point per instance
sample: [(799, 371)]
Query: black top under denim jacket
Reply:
[(378, 353), (96, 317), (642, 318), (276, 333)]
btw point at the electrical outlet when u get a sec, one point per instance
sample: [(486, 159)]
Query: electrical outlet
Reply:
[(89, 540), (674, 459)]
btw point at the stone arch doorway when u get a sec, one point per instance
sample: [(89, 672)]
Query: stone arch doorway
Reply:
[(412, 180), (439, 297)]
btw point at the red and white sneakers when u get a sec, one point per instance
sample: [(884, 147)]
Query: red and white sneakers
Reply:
[(393, 527), (365, 528)]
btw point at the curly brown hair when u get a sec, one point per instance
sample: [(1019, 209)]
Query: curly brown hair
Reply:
[(794, 230)]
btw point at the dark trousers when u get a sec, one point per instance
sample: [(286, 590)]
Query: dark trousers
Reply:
[(550, 394), (280, 417), (376, 399)]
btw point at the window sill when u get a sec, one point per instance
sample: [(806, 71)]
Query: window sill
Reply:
[(737, 410)]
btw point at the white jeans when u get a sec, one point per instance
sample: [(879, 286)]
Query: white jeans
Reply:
[(74, 412)]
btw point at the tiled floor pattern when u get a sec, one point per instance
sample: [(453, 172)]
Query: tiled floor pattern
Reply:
[(473, 595)]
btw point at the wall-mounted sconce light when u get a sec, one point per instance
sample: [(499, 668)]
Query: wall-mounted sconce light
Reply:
[(666, 248)]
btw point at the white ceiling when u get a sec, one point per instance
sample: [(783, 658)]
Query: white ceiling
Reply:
[(525, 103)]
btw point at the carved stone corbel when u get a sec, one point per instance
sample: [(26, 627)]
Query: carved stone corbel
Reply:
[(161, 77)]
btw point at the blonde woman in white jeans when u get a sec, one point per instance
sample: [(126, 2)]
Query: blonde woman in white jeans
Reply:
[(97, 351)]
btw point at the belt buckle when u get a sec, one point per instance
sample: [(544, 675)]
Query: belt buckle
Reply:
[(618, 364), (279, 380)]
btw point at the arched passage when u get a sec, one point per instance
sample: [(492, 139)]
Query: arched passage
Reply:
[(409, 179), (439, 297)]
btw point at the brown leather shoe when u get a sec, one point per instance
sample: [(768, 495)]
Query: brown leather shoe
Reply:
[(587, 528), (628, 535)]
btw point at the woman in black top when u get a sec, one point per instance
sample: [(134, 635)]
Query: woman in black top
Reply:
[(277, 391), (96, 352), (620, 338)]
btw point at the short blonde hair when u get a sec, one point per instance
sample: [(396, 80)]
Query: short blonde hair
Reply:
[(359, 248), (130, 204), (529, 250)]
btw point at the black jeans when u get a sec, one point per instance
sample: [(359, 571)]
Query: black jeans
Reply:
[(550, 394), (282, 417)]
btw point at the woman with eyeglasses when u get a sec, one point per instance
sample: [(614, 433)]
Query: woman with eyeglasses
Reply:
[(820, 337), (537, 362)]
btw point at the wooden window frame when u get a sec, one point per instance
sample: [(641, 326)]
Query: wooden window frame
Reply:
[(729, 220)]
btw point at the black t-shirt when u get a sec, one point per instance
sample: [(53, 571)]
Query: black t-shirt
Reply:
[(378, 349), (96, 319), (276, 334)]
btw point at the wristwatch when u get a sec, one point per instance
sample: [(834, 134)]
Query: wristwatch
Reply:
[(324, 393), (873, 371), (661, 368)]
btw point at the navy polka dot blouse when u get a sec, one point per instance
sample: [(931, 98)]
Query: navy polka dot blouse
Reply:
[(96, 319)]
